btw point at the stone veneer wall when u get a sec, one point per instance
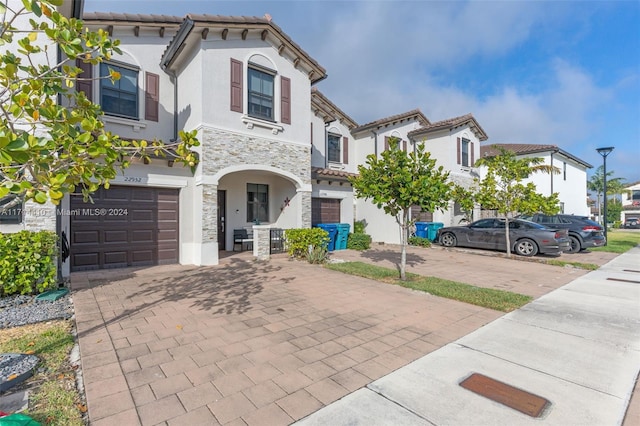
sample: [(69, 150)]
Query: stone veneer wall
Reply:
[(209, 213), (36, 217), (222, 149)]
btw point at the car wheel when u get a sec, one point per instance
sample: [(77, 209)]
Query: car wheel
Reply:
[(526, 247), (448, 240), (575, 245)]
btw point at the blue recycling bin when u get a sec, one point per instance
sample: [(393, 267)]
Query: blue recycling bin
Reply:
[(332, 230), (343, 236), (421, 229), (432, 229)]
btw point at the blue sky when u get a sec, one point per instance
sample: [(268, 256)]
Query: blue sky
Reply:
[(542, 72)]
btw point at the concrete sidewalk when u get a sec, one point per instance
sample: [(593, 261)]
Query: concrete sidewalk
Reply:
[(578, 347)]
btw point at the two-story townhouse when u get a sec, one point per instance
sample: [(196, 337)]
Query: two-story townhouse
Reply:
[(372, 139), (455, 145), (332, 162), (570, 180), (631, 202), (245, 86)]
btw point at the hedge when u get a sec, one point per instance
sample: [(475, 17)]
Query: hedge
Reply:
[(27, 262)]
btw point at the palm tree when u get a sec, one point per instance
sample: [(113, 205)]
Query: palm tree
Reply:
[(596, 184)]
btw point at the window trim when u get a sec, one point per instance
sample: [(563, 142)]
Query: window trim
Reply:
[(126, 66)]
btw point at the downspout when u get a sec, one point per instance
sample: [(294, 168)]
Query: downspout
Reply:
[(375, 143), (326, 144)]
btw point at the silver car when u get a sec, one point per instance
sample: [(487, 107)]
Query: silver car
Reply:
[(527, 238)]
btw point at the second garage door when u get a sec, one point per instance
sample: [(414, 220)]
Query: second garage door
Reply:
[(325, 210), (126, 226)]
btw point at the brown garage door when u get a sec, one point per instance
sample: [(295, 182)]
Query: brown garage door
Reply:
[(325, 210), (126, 226)]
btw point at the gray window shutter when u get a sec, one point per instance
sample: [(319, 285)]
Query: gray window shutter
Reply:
[(285, 100), (152, 96), (404, 146), (345, 150), (386, 143), (87, 72), (236, 85), (459, 147)]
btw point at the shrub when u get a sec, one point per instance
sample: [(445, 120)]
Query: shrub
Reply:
[(317, 254), (419, 241), (358, 227), (359, 241), (299, 240), (27, 262)]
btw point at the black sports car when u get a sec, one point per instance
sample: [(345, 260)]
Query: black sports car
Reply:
[(527, 238)]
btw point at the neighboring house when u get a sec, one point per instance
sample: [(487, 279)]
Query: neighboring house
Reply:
[(631, 202), (333, 161), (570, 183)]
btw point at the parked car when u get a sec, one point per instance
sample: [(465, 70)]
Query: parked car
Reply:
[(632, 223), (583, 232), (527, 238)]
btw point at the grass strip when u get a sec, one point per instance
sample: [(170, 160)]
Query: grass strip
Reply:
[(579, 265), (498, 300), (619, 242), (54, 399)]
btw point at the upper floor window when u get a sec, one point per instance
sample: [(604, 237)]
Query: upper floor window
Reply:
[(260, 94), (465, 152), (564, 170), (119, 97), (333, 148)]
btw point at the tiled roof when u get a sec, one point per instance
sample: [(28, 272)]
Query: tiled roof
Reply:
[(214, 20), (323, 106), (320, 173), (526, 148), (414, 113), (450, 123), (132, 18)]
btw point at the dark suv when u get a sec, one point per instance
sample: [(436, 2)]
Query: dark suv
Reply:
[(583, 232), (632, 223)]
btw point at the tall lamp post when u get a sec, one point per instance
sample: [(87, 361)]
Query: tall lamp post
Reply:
[(604, 152)]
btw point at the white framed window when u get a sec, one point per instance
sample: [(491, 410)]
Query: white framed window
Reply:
[(334, 148), (120, 97), (257, 202), (465, 152), (260, 93)]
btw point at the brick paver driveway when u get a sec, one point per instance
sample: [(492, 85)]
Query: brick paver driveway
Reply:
[(247, 342)]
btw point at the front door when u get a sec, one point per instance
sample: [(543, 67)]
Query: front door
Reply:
[(222, 213)]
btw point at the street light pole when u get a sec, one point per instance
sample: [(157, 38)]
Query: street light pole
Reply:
[(604, 152)]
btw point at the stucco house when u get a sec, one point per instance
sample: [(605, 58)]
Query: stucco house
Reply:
[(631, 202), (570, 183), (275, 152)]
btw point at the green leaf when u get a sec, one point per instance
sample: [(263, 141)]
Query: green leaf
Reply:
[(18, 145)]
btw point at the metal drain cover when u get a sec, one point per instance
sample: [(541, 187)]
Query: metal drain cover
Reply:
[(517, 399)]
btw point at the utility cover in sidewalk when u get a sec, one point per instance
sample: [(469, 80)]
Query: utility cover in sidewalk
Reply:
[(52, 295), (525, 402)]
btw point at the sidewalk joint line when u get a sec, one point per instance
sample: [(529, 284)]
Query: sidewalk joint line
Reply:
[(401, 406)]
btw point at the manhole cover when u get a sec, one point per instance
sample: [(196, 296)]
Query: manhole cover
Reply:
[(525, 402), (15, 368)]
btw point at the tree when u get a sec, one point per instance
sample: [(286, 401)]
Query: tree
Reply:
[(502, 188), (596, 184), (398, 180), (52, 140), (465, 198)]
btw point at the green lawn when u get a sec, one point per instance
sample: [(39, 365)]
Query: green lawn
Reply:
[(54, 399), (499, 300), (619, 241)]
